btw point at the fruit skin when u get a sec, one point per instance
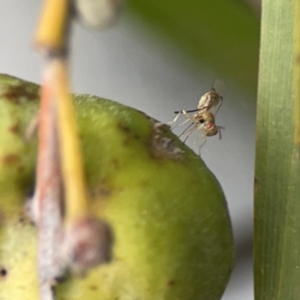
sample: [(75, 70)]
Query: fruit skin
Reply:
[(171, 229)]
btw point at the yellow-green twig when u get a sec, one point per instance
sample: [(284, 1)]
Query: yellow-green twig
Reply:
[(52, 30), (71, 156), (52, 38)]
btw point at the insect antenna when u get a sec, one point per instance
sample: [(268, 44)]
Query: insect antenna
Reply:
[(188, 111)]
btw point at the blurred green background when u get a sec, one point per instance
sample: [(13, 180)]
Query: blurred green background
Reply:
[(221, 34)]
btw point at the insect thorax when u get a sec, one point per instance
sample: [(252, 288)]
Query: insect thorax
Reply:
[(209, 100)]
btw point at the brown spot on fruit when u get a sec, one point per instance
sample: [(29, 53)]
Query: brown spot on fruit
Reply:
[(10, 159), (15, 129), (161, 145), (15, 93), (93, 288), (104, 192), (21, 169), (116, 163), (101, 192), (171, 282), (123, 127), (3, 272)]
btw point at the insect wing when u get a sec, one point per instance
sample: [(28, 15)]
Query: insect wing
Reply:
[(218, 89)]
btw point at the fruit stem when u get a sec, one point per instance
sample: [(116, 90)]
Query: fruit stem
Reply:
[(60, 162), (71, 156), (46, 204), (53, 27)]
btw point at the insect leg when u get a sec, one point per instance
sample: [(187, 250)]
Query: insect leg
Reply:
[(176, 118), (204, 142), (184, 122), (189, 118), (204, 137), (219, 130), (195, 142), (188, 131)]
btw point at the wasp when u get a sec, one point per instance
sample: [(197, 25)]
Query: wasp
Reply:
[(204, 117)]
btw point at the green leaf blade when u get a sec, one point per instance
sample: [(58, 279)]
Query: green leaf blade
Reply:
[(277, 205)]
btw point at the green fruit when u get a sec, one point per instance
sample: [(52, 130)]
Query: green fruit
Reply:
[(169, 219)]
